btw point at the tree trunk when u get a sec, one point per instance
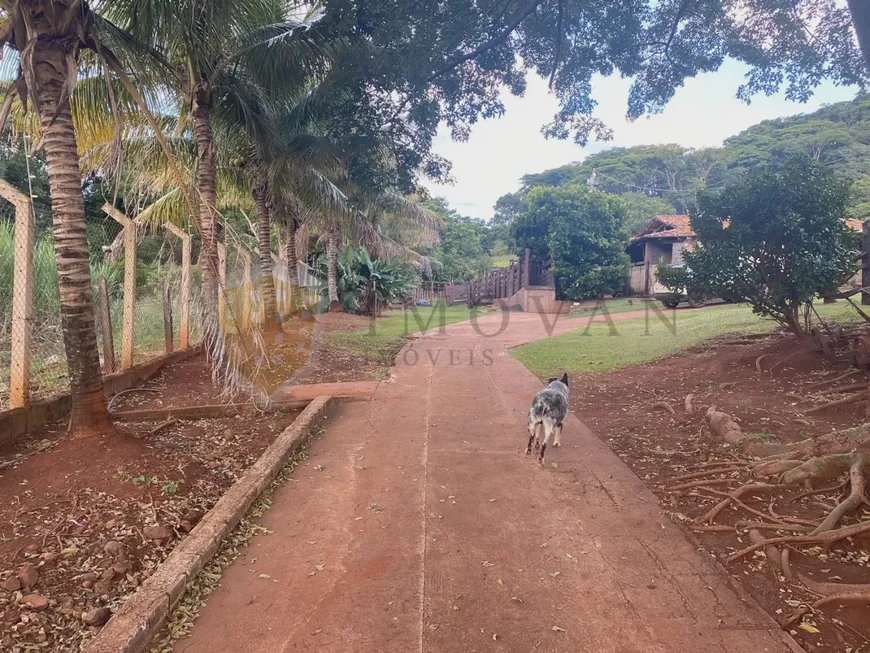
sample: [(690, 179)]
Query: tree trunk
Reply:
[(206, 183), (264, 245), (50, 57), (331, 254), (860, 11), (289, 246)]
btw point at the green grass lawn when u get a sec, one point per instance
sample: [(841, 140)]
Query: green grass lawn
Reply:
[(384, 338), (604, 347), (620, 305), (503, 260)]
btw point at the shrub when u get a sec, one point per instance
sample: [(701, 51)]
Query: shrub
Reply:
[(774, 241)]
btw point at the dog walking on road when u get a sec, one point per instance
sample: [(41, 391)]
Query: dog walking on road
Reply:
[(548, 411)]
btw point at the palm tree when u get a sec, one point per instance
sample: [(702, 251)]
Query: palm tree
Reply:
[(49, 37), (387, 224), (221, 48)]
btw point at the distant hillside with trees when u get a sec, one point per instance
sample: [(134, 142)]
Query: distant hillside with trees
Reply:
[(654, 179)]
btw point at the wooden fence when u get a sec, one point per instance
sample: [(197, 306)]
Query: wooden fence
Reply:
[(429, 291), (502, 283)]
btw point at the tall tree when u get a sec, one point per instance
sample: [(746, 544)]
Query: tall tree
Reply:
[(49, 37), (775, 241), (223, 48), (582, 229)]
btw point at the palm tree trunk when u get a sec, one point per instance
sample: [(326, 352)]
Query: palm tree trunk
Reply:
[(264, 245), (289, 246), (206, 176), (331, 254), (89, 414), (290, 252)]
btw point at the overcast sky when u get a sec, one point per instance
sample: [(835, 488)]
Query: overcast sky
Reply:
[(500, 151)]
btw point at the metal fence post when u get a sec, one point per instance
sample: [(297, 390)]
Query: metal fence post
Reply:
[(22, 296), (184, 327), (128, 334)]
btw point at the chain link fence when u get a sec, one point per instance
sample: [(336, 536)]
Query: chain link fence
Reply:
[(158, 302), (135, 306)]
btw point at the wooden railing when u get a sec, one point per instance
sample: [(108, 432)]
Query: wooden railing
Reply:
[(502, 283)]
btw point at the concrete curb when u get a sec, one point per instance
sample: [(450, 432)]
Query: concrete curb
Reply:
[(140, 618), (217, 411), (19, 421)]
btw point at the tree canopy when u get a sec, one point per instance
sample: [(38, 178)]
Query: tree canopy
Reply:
[(775, 240), (661, 179), (462, 251), (582, 229)]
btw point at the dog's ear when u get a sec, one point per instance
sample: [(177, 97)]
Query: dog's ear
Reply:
[(552, 378), (565, 378)]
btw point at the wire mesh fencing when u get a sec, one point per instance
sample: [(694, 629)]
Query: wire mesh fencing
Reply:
[(147, 299), (138, 312)]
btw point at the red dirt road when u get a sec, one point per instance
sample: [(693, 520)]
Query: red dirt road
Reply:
[(428, 530)]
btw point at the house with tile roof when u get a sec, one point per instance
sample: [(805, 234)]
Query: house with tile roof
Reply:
[(664, 239)]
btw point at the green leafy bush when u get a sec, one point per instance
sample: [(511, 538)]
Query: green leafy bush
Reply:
[(582, 229), (364, 285), (775, 241)]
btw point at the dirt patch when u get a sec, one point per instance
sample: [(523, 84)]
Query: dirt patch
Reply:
[(640, 413), (84, 522), (331, 364)]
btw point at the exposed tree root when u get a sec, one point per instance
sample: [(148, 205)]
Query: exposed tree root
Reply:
[(774, 467), (735, 498), (708, 472), (845, 597), (689, 486), (786, 564), (764, 526), (723, 426), (663, 406), (717, 463), (162, 425), (824, 490), (818, 467), (851, 399), (855, 498), (774, 557), (825, 539), (790, 520), (845, 388), (836, 379), (715, 528), (786, 622), (830, 589)]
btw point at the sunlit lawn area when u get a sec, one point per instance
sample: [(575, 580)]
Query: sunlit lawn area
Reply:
[(384, 337), (503, 260), (602, 347), (619, 305)]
